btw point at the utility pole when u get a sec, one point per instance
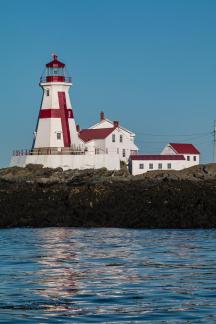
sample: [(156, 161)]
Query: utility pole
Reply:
[(214, 142)]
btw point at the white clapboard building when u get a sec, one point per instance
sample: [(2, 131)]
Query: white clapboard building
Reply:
[(174, 156), (109, 137)]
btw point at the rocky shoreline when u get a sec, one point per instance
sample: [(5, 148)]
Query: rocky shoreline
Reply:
[(39, 197)]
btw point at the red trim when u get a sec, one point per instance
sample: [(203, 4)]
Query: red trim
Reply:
[(157, 157), (64, 119), (64, 113), (55, 113), (93, 134), (55, 63), (184, 148), (55, 79)]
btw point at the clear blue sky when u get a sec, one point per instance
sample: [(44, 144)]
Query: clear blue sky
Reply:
[(150, 64)]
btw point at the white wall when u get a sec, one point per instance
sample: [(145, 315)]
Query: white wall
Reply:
[(175, 165), (87, 161), (46, 135), (128, 139), (52, 100), (127, 144), (102, 124), (169, 151), (114, 147), (191, 162), (96, 144)]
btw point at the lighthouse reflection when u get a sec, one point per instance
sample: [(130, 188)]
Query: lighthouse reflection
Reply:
[(58, 277), (79, 270)]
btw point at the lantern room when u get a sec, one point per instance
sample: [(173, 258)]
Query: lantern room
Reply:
[(55, 71)]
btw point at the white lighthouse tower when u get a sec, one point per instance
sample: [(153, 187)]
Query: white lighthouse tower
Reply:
[(56, 127), (57, 141)]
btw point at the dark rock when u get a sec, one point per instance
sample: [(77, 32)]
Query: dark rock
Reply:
[(37, 196)]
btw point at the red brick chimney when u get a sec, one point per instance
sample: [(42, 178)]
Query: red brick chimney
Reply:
[(102, 116), (78, 128), (116, 123)]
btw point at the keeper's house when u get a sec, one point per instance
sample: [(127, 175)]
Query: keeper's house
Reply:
[(174, 156), (109, 137)]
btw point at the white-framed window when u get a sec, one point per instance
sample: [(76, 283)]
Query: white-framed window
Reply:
[(106, 150), (123, 153), (47, 92), (169, 166), (194, 158), (58, 136), (117, 150), (113, 138), (188, 158), (151, 167), (97, 151), (160, 166), (141, 166), (121, 138)]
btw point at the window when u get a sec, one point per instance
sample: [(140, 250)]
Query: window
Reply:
[(151, 166), (106, 150), (47, 92), (117, 150), (141, 166), (113, 138), (194, 158), (97, 151), (188, 158), (121, 138), (123, 153), (160, 166), (58, 136), (169, 166)]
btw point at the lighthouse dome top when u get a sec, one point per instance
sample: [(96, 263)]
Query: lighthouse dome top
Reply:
[(55, 63), (55, 72)]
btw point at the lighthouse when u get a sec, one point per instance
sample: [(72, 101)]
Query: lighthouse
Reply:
[(58, 142), (56, 128)]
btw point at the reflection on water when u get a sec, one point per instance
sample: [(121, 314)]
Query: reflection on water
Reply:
[(107, 275)]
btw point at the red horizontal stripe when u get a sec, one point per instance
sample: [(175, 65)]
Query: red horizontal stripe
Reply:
[(55, 78), (55, 113)]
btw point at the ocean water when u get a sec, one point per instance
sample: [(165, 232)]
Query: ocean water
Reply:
[(61, 275)]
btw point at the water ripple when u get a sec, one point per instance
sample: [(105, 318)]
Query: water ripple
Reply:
[(65, 275)]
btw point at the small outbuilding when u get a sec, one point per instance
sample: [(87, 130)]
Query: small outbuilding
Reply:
[(174, 156)]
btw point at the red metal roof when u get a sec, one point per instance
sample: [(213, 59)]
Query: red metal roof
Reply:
[(184, 148), (92, 134), (55, 63), (157, 157)]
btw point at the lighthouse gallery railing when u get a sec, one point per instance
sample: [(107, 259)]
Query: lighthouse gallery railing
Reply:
[(55, 151), (46, 79)]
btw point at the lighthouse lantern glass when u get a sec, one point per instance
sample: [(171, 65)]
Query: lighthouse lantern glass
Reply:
[(55, 71)]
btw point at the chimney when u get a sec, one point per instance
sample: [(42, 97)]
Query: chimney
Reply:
[(116, 123), (78, 128), (102, 117)]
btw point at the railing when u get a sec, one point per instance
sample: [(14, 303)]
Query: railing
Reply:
[(56, 78), (50, 151), (59, 151)]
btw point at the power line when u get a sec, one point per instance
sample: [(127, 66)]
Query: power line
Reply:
[(174, 135), (191, 138)]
